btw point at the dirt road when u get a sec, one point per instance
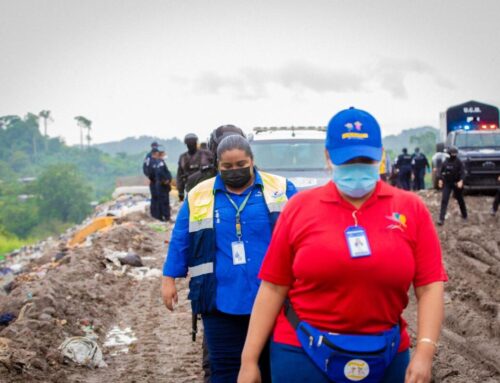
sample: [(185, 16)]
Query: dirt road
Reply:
[(84, 288)]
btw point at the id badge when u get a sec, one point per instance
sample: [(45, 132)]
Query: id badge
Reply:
[(357, 241), (238, 249)]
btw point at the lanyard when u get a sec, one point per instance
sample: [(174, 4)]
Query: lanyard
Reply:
[(238, 211)]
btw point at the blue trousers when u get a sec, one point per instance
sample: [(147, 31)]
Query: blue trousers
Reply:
[(225, 335), (290, 364)]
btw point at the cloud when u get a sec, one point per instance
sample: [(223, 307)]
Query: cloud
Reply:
[(391, 74), (302, 76), (253, 83)]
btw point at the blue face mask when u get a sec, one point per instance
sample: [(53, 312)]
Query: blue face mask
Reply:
[(356, 180)]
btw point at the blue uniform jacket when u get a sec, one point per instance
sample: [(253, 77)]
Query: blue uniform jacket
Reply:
[(237, 285)]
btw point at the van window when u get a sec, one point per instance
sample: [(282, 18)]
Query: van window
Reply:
[(287, 155)]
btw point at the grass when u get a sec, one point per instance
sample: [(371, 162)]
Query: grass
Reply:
[(9, 243)]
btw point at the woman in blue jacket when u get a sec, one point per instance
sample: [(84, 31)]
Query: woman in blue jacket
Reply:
[(220, 238)]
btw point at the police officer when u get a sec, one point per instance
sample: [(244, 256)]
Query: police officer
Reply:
[(451, 179), (419, 165), (193, 165), (148, 168), (403, 166), (163, 179)]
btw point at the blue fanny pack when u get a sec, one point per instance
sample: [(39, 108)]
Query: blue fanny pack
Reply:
[(347, 358)]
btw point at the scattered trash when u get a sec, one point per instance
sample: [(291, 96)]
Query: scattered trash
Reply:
[(5, 351), (82, 351), (131, 260), (140, 273), (117, 337), (22, 313), (6, 318), (97, 224), (6, 278), (60, 256)]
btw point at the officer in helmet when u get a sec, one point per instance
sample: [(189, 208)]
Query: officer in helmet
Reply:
[(451, 179), (403, 168), (192, 165)]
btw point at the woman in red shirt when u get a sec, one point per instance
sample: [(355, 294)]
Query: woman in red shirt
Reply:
[(337, 273)]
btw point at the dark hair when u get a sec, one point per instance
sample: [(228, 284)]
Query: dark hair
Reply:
[(234, 142)]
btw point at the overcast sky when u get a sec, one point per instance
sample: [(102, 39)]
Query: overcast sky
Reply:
[(170, 67)]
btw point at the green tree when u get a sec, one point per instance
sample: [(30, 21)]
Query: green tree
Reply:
[(426, 142), (84, 123), (19, 217), (46, 116), (63, 194)]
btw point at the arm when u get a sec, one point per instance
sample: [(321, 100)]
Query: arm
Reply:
[(291, 190), (430, 317), (267, 305), (180, 180), (175, 265)]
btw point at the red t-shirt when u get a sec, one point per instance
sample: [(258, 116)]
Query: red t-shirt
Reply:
[(334, 292)]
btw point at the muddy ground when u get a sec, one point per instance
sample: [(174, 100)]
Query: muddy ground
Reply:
[(83, 290)]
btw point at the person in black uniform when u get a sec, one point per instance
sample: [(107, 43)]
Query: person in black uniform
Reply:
[(148, 168), (451, 179), (496, 201), (193, 166), (419, 165), (403, 166), (163, 179)]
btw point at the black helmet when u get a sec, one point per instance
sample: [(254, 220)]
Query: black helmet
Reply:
[(190, 137), (453, 150), (220, 133), (405, 150), (154, 144)]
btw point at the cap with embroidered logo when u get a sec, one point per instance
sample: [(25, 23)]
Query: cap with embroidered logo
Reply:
[(353, 133)]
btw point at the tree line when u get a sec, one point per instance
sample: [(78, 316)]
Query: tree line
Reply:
[(46, 185)]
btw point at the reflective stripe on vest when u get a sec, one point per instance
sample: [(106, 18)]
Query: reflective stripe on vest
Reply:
[(202, 200), (201, 206), (204, 268)]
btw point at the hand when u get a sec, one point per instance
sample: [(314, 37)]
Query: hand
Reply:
[(440, 184), (460, 184), (420, 367), (169, 292), (181, 197), (249, 373)]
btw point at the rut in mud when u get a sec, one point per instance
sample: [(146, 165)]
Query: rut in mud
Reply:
[(83, 288)]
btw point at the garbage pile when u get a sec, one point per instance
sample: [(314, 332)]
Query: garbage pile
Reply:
[(59, 297)]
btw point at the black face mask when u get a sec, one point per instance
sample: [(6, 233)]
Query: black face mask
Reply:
[(236, 178), (192, 147), (453, 157)]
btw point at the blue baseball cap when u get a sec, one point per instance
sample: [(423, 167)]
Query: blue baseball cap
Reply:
[(353, 133)]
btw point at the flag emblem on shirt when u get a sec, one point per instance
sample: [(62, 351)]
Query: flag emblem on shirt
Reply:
[(399, 221)]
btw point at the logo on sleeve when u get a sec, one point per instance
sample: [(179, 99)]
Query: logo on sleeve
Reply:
[(398, 221)]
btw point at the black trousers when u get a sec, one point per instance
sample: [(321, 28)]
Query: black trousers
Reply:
[(448, 188), (405, 178), (163, 202), (496, 201), (419, 179), (155, 207)]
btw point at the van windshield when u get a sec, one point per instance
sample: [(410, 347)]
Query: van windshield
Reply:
[(490, 140), (289, 155)]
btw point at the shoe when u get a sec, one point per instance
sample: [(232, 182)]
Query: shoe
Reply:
[(440, 222)]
